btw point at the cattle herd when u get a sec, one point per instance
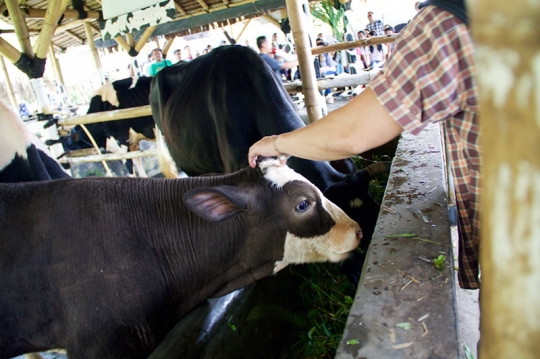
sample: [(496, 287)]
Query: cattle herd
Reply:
[(105, 267)]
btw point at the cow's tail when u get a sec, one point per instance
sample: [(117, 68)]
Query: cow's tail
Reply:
[(166, 163)]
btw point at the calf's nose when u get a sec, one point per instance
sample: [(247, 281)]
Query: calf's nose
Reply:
[(359, 235)]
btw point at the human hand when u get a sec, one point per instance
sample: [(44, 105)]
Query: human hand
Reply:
[(265, 147)]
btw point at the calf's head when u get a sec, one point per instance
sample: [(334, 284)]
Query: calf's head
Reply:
[(286, 218)]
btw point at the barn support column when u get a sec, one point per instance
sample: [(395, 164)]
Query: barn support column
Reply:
[(20, 27), (56, 66), (92, 44), (299, 17), (11, 96), (508, 65)]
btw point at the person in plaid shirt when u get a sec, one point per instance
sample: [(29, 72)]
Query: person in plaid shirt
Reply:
[(375, 25), (429, 78)]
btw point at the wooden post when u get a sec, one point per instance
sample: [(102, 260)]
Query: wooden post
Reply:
[(144, 38), (130, 39), (299, 27), (20, 27), (97, 62), (54, 10), (508, 67), (123, 43), (11, 96), (167, 45), (8, 51), (55, 65)]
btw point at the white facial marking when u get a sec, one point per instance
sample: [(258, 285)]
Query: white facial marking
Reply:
[(333, 246), (279, 174)]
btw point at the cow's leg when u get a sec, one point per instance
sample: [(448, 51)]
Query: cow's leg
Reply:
[(166, 163), (137, 162)]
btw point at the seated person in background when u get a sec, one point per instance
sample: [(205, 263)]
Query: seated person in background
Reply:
[(389, 30), (266, 52), (377, 54), (363, 53), (159, 62)]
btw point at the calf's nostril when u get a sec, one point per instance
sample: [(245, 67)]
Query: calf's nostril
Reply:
[(359, 234)]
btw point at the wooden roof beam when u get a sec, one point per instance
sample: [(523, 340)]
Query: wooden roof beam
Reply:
[(54, 10), (30, 13), (204, 5), (180, 9), (21, 29), (74, 36)]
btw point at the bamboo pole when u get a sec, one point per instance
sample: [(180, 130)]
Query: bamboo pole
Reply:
[(508, 72), (144, 38), (30, 13), (167, 45), (130, 39), (11, 95), (299, 24), (123, 43), (74, 36), (351, 44), (204, 5), (8, 51), (71, 25), (109, 157), (108, 116), (20, 27), (54, 10), (55, 65), (89, 37), (363, 78), (180, 9), (242, 31)]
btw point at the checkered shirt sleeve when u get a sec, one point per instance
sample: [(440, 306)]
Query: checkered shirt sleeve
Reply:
[(430, 78)]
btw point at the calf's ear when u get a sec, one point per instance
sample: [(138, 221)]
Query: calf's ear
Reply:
[(215, 204)]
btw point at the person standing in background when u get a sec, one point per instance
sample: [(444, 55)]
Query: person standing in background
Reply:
[(159, 62), (374, 25)]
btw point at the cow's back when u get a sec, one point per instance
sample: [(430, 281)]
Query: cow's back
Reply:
[(212, 109)]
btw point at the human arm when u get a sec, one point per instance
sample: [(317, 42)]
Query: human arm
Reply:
[(289, 64), (360, 125)]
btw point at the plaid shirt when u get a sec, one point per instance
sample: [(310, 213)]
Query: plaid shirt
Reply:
[(430, 78), (377, 26)]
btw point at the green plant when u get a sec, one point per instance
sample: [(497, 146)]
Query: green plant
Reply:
[(326, 300), (326, 12)]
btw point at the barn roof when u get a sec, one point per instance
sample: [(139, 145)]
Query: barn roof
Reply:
[(192, 16)]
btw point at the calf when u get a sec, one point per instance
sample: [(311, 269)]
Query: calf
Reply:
[(212, 109), (148, 251), (23, 158)]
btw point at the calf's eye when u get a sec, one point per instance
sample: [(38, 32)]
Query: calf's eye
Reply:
[(302, 206)]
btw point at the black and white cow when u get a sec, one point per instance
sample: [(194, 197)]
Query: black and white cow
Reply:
[(212, 109), (23, 157), (121, 94), (148, 251)]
